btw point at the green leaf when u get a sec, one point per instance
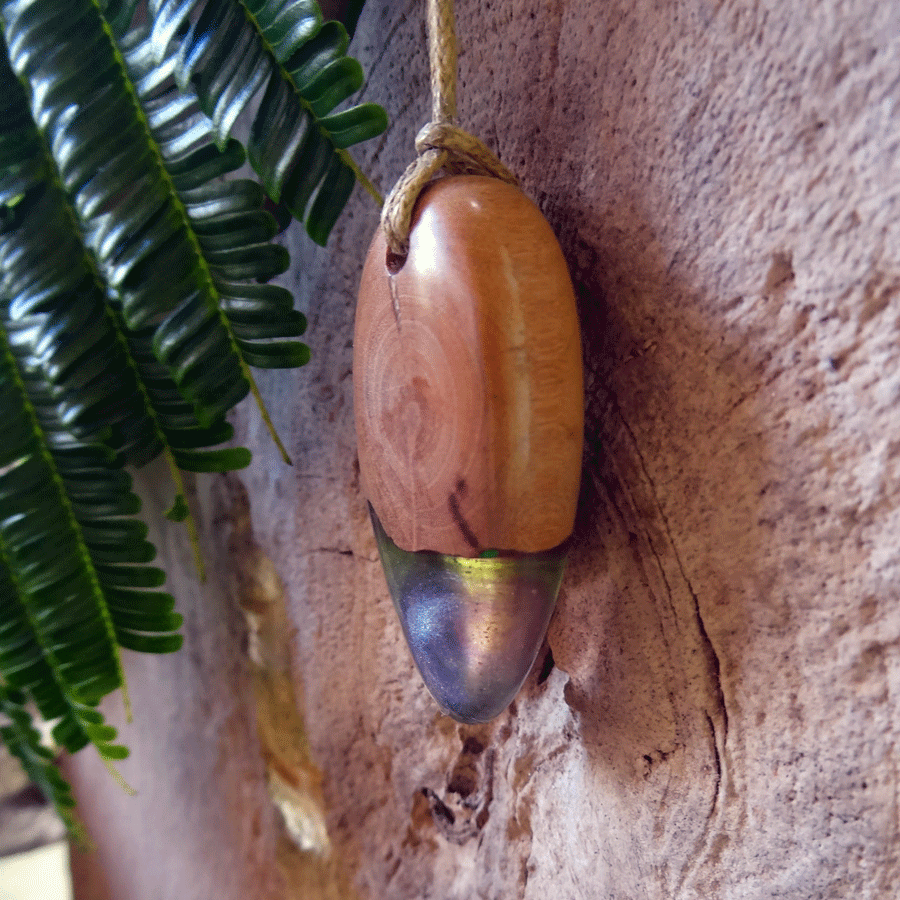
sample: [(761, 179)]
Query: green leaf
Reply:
[(149, 643), (276, 355), (67, 545), (130, 576), (117, 752), (233, 52), (329, 201), (355, 125), (213, 460), (232, 231), (334, 84), (179, 510), (329, 45), (66, 336), (133, 302)]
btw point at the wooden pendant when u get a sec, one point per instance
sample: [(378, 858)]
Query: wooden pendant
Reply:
[(468, 379), (469, 416)]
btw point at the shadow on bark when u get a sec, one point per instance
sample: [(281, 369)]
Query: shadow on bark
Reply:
[(634, 631)]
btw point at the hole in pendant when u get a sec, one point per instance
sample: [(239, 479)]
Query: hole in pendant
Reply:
[(393, 262)]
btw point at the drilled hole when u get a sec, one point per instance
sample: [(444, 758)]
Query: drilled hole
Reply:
[(393, 262)]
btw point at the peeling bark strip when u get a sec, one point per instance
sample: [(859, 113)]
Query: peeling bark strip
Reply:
[(303, 853), (294, 782), (721, 719)]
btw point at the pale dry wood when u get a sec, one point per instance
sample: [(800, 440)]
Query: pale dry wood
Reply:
[(468, 379)]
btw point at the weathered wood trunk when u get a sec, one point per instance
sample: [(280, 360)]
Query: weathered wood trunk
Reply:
[(718, 717)]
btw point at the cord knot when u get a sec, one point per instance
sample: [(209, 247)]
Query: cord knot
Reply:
[(441, 146), (465, 153)]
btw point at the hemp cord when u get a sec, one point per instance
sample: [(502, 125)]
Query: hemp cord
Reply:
[(441, 144)]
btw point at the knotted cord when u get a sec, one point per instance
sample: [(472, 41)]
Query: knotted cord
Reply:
[(441, 144)]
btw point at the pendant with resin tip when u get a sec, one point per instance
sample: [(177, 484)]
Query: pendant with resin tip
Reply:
[(469, 416)]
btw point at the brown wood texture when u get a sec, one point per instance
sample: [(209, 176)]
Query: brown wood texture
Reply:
[(719, 715), (467, 377)]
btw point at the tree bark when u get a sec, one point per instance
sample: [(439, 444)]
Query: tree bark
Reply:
[(715, 714)]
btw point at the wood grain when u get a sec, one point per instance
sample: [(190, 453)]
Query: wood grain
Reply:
[(467, 377)]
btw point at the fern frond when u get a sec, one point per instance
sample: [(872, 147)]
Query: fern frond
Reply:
[(24, 742), (63, 332), (63, 635), (72, 587), (232, 226), (281, 48), (136, 209), (111, 169), (21, 162), (72, 345), (133, 302)]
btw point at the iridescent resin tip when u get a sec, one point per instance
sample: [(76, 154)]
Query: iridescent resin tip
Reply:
[(474, 626)]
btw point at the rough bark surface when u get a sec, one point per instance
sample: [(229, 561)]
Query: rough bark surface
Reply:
[(719, 716)]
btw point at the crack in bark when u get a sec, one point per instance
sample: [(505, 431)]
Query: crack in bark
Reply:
[(714, 667), (388, 44), (713, 670), (718, 762), (713, 661)]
